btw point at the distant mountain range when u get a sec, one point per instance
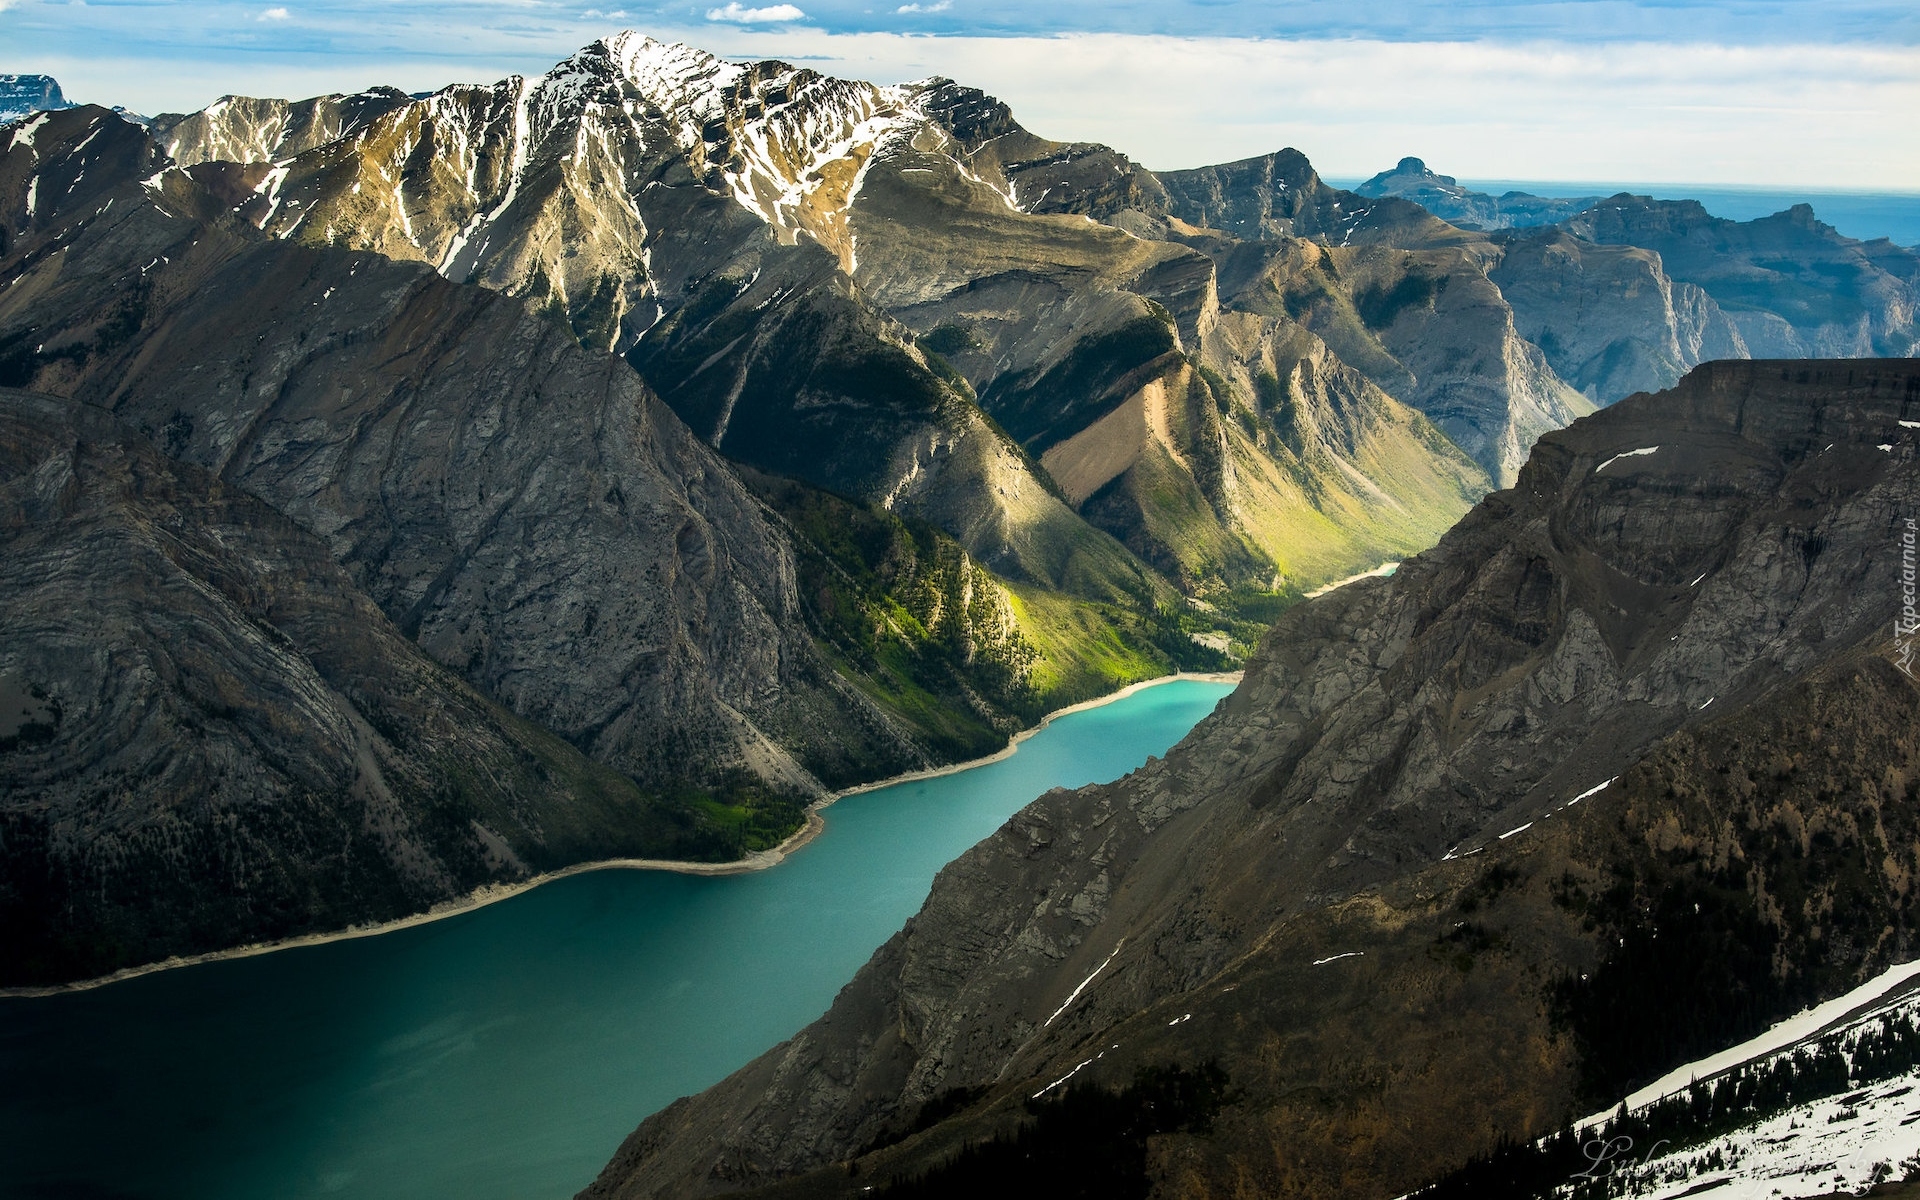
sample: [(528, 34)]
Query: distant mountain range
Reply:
[(1443, 196), (24, 95)]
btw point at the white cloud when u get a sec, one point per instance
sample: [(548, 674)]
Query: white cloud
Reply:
[(1803, 115), (1821, 115), (274, 14), (734, 14), (943, 6)]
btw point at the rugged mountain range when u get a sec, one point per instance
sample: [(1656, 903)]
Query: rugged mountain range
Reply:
[(1626, 293), (1621, 770), (790, 258), (1001, 423), (840, 282), (1790, 284), (522, 510)]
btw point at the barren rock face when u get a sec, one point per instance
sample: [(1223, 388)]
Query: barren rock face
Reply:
[(523, 508), (232, 742), (513, 609), (1609, 318), (1360, 885), (1791, 285)]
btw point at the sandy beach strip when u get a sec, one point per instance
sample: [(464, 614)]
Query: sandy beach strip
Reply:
[(1382, 570), (493, 893)]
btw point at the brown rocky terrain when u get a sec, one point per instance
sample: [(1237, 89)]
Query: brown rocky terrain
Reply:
[(1382, 889), (537, 620), (1791, 285), (232, 742), (523, 508)]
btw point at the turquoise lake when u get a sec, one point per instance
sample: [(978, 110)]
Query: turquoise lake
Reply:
[(504, 1052)]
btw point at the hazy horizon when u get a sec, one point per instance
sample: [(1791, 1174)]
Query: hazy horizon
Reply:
[(1791, 93)]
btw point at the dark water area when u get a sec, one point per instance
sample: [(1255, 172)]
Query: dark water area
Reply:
[(506, 1051)]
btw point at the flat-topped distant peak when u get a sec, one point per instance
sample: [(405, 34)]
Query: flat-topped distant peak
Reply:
[(24, 94)]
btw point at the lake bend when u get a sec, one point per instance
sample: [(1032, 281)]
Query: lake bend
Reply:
[(504, 1051)]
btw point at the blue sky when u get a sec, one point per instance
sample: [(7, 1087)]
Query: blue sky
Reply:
[(1781, 92)]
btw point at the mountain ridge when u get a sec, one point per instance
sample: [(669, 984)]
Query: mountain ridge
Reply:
[(761, 137)]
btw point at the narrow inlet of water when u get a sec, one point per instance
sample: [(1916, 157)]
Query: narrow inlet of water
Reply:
[(502, 1053)]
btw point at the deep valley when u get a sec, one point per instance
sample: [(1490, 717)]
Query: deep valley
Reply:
[(408, 496)]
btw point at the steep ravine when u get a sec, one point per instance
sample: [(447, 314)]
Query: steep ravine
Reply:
[(1378, 887)]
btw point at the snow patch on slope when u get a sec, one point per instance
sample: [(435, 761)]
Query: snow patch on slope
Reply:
[(1781, 1036)]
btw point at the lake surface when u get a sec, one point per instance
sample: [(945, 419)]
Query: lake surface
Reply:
[(1863, 215), (504, 1052)]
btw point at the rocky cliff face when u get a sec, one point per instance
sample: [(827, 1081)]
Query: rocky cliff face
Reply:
[(1790, 284), (521, 507), (227, 740), (1609, 319), (1409, 886)]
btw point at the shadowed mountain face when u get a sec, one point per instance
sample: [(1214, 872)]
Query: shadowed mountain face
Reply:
[(522, 508), (1383, 887), (215, 701), (1790, 284), (465, 531)]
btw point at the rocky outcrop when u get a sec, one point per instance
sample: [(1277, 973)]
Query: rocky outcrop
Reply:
[(1790, 284), (1362, 885), (1442, 195), (21, 95), (1609, 319)]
